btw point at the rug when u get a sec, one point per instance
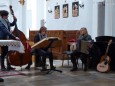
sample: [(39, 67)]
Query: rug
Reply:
[(10, 73)]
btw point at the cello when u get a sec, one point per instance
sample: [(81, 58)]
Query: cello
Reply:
[(14, 57)]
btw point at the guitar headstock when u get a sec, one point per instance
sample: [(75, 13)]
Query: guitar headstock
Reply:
[(110, 41), (11, 10)]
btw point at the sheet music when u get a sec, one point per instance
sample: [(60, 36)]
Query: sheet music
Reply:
[(46, 41)]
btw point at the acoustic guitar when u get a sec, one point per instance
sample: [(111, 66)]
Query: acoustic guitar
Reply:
[(103, 66)]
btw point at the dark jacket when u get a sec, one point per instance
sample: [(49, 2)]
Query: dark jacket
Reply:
[(5, 31), (36, 38), (85, 37), (39, 37)]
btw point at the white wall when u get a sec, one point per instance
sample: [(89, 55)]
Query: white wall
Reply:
[(4, 4), (95, 18), (35, 13), (113, 21), (110, 19), (41, 4), (71, 23)]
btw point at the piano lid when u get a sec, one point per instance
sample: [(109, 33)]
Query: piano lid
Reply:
[(105, 38)]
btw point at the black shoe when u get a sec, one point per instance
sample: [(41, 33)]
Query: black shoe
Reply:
[(38, 65), (74, 69), (10, 68), (53, 68), (44, 69), (1, 80), (4, 69), (28, 68)]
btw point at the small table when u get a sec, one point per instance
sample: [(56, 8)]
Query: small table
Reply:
[(13, 45)]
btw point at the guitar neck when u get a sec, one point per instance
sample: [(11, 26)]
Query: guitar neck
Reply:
[(107, 48)]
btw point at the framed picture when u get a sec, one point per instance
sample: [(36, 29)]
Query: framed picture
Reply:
[(65, 10), (75, 9), (57, 12)]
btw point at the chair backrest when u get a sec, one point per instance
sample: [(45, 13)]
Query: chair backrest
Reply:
[(73, 46)]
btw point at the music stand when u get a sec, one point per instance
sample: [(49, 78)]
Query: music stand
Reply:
[(49, 42)]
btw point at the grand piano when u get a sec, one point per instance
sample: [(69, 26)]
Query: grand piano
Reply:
[(102, 43)]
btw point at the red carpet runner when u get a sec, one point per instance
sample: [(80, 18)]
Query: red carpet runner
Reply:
[(10, 73)]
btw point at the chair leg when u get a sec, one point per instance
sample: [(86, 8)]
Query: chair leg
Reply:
[(68, 59), (82, 65), (77, 62), (62, 59)]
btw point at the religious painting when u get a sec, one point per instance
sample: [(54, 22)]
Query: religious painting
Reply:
[(57, 12), (65, 11), (75, 9)]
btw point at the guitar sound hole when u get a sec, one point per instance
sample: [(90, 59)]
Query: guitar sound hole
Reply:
[(105, 62)]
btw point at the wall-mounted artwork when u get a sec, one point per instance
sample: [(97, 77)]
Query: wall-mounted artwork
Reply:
[(75, 9), (57, 12), (65, 10)]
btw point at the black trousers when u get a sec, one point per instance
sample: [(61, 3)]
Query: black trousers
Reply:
[(41, 57), (44, 54), (38, 59), (74, 56), (4, 52)]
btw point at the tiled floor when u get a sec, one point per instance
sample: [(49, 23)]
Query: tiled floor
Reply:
[(66, 78)]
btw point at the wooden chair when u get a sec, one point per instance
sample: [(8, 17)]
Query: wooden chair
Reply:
[(68, 53)]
